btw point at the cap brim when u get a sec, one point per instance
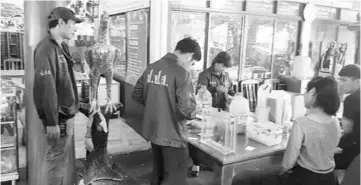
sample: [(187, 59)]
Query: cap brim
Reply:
[(78, 20)]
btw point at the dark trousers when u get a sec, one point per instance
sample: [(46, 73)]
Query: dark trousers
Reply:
[(170, 165), (192, 154), (302, 176), (344, 159), (59, 160)]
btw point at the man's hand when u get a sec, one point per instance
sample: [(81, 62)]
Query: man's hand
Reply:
[(53, 132), (88, 142), (222, 88), (338, 150)]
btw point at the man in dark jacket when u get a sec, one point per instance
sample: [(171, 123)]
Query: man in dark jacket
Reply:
[(350, 141), (55, 95), (166, 91), (217, 81)]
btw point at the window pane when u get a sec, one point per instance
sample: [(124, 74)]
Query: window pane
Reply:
[(284, 47), (264, 6), (289, 8), (326, 12), (227, 4), (349, 15), (322, 34), (259, 46), (224, 35), (194, 3), (185, 24)]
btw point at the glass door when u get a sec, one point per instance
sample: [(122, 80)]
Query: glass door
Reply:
[(225, 33)]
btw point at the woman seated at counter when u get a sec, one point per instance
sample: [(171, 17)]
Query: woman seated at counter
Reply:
[(308, 159), (217, 81)]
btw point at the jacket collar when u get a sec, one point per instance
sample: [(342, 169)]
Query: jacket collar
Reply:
[(213, 71), (171, 56)]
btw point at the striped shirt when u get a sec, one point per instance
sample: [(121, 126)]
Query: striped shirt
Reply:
[(312, 145)]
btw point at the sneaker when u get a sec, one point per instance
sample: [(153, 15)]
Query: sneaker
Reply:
[(195, 171)]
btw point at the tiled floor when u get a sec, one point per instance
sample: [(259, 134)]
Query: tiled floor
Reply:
[(122, 139), (135, 167)]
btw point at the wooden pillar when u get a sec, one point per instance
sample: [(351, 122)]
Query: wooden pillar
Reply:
[(35, 19)]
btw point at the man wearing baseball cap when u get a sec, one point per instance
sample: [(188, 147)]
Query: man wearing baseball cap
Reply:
[(349, 79), (55, 95)]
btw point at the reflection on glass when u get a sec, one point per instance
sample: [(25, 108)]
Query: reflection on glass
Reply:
[(284, 47), (193, 25), (118, 39), (322, 34), (348, 36), (259, 33), (224, 35)]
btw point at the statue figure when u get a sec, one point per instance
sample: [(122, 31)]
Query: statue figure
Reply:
[(329, 57), (101, 58), (99, 169), (342, 52), (334, 55)]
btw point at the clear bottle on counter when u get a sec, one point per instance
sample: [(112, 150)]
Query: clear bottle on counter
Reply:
[(204, 106)]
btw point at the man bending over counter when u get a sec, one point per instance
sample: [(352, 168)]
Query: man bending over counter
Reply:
[(166, 91)]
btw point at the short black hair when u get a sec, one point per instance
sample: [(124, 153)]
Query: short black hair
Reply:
[(223, 58), (54, 23), (189, 45), (352, 71), (327, 94)]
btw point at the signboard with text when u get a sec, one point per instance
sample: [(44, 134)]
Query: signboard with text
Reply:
[(137, 44)]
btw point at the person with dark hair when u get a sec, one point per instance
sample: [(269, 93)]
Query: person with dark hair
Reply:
[(308, 159), (166, 91), (349, 79), (217, 81), (55, 95)]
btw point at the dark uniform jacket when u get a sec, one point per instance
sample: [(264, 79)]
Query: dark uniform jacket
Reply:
[(350, 143), (166, 91), (55, 92), (212, 80)]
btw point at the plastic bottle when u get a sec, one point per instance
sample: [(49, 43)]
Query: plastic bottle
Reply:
[(204, 101), (204, 106)]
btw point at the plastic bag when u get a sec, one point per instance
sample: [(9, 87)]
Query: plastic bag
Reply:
[(302, 68), (239, 105)]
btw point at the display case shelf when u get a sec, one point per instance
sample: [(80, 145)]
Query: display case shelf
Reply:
[(9, 176), (7, 146)]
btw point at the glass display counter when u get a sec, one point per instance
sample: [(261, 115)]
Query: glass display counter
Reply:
[(9, 134), (219, 131)]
